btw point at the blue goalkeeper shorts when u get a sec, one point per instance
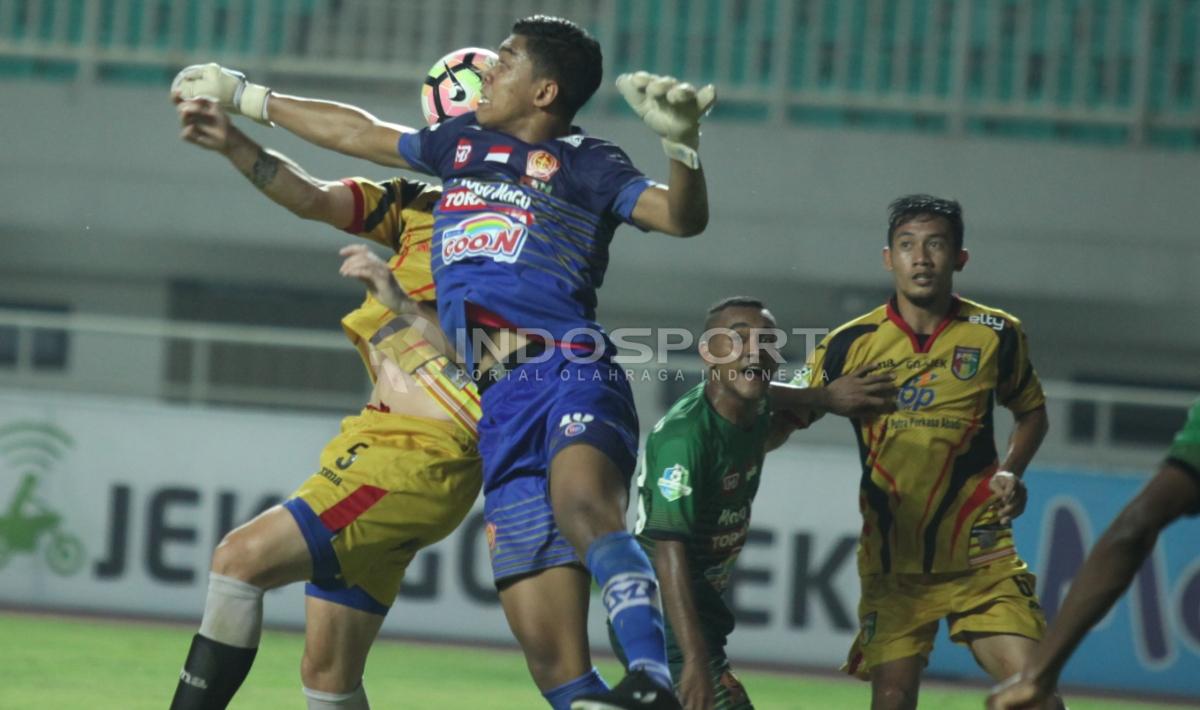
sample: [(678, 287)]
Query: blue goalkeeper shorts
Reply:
[(531, 414)]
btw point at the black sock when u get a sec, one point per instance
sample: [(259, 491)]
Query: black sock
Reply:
[(211, 675)]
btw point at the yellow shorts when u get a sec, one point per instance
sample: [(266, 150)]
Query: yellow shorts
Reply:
[(899, 613), (388, 485)]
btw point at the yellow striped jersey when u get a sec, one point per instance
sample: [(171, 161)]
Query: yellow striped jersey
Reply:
[(399, 214), (924, 493)]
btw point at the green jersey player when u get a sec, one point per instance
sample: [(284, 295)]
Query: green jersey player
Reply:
[(700, 471), (1174, 492)]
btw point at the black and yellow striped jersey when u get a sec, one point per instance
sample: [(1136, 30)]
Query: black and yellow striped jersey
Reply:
[(924, 493), (399, 215)]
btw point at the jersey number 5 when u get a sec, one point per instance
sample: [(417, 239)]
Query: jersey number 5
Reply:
[(345, 462)]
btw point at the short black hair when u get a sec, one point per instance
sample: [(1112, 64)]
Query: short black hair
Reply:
[(563, 51), (910, 207), (731, 302)]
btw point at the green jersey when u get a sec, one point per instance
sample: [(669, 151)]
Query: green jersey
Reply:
[(699, 473), (1185, 451)]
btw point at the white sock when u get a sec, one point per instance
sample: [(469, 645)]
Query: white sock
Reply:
[(232, 612), (354, 700)]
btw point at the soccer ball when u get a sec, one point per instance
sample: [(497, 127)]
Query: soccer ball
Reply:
[(453, 84)]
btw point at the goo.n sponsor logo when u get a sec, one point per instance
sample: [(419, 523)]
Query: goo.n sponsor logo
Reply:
[(28, 524), (491, 235)]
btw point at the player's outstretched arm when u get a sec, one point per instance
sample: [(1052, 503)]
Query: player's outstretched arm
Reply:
[(336, 126), (671, 566), (1102, 580), (672, 109), (856, 394), (341, 127), (205, 123)]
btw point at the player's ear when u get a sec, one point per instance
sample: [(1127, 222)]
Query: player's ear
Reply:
[(545, 94), (960, 259), (702, 348), (887, 258)]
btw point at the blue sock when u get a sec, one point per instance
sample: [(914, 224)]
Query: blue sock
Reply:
[(630, 593), (560, 698)]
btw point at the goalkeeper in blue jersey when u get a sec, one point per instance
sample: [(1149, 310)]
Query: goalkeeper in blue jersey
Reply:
[(1173, 493), (520, 245)]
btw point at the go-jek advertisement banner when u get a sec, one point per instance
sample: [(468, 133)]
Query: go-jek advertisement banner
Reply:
[(115, 506)]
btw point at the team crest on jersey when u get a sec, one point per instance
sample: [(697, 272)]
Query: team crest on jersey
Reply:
[(462, 153), (675, 483), (540, 165), (965, 363), (490, 234)]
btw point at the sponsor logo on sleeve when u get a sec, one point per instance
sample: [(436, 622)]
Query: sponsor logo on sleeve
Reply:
[(675, 483), (994, 322), (730, 482)]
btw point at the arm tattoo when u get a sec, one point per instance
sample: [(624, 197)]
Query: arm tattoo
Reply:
[(264, 169)]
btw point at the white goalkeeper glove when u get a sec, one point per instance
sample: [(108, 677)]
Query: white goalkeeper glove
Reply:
[(672, 109), (227, 87)]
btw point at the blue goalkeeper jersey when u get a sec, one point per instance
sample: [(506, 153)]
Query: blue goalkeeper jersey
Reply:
[(522, 230)]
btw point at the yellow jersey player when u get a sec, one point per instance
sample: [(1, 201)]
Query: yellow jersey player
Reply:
[(937, 503), (401, 475)]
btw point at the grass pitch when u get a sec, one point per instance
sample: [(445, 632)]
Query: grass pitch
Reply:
[(74, 663)]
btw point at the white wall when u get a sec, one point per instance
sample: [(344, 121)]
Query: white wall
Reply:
[(1094, 247)]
